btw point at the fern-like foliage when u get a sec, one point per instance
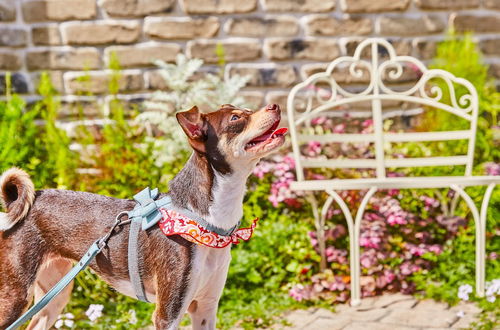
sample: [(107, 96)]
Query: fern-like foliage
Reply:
[(183, 91)]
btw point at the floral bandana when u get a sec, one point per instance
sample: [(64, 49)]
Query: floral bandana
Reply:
[(174, 223)]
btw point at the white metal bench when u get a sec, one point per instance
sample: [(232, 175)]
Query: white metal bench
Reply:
[(375, 63)]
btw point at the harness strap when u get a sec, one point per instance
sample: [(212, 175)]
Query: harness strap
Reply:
[(133, 259), (64, 282)]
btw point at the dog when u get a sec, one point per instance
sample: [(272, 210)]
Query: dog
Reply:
[(45, 231)]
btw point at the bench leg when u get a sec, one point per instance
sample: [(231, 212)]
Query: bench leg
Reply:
[(353, 228), (319, 222), (480, 225), (480, 283)]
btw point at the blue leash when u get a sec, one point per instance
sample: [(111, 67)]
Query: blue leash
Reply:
[(91, 253), (64, 282)]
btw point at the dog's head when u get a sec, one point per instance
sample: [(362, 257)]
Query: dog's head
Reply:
[(231, 136)]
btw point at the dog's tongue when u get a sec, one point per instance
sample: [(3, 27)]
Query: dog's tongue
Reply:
[(280, 131), (265, 136)]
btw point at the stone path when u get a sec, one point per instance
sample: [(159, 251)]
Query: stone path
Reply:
[(386, 312)]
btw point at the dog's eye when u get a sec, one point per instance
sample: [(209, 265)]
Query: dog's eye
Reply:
[(234, 117)]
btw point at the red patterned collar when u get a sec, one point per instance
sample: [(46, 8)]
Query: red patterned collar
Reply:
[(174, 223)]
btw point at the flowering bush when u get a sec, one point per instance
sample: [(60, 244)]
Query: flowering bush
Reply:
[(396, 232)]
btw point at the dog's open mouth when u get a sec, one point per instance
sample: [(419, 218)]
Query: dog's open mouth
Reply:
[(271, 135)]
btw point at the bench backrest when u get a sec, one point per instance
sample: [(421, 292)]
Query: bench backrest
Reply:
[(375, 62)]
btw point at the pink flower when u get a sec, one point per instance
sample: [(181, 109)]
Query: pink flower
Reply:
[(339, 129), (372, 216), (313, 148), (336, 255), (297, 292), (318, 120), (408, 268), (367, 123), (492, 168), (429, 202), (396, 219), (393, 192), (262, 169), (369, 241), (416, 250), (436, 249)]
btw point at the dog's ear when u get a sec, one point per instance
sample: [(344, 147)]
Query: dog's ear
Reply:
[(193, 124)]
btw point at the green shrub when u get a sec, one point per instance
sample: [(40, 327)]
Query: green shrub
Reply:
[(41, 148)]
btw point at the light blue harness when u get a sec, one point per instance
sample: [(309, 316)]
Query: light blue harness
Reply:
[(145, 215)]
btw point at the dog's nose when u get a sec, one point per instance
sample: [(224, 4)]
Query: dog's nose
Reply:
[(273, 107)]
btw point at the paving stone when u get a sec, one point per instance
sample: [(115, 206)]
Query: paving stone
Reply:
[(366, 315), (218, 6), (100, 33), (299, 318), (370, 6), (468, 308), (46, 35), (464, 322), (432, 305), (325, 313), (374, 326), (298, 6), (58, 10), (322, 323), (181, 27), (408, 304), (277, 26), (447, 4), (420, 318), (132, 8), (392, 298)]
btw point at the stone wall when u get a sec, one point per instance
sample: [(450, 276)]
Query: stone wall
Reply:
[(277, 42)]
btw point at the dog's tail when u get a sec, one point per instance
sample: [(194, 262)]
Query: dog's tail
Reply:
[(17, 194)]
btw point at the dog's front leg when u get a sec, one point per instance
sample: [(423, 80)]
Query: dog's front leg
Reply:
[(168, 313), (172, 300), (203, 309)]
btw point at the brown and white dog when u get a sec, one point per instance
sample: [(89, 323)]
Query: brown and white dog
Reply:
[(44, 231)]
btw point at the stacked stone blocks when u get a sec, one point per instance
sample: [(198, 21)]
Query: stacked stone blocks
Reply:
[(276, 42)]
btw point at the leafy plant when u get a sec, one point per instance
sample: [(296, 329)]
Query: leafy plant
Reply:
[(40, 148), (460, 55), (184, 91), (121, 154)]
